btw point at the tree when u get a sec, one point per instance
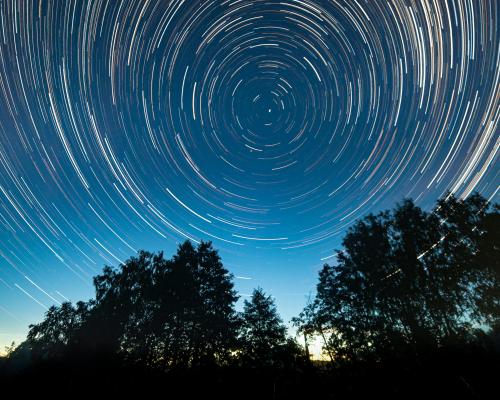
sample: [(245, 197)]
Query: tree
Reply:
[(195, 322), (408, 281), (487, 261), (217, 316), (157, 312), (9, 350), (470, 230), (125, 301), (263, 334), (51, 338), (149, 310)]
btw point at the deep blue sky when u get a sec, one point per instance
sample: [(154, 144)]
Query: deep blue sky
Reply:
[(267, 127)]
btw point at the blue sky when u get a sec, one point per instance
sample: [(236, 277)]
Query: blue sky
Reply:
[(267, 127)]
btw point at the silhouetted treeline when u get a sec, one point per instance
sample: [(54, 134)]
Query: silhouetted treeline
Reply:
[(411, 307), (408, 282), (166, 314)]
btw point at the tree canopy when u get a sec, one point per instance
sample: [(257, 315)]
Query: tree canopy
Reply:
[(412, 301), (263, 334), (169, 313), (408, 281)]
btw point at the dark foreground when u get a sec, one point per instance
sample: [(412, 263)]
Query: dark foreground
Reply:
[(453, 373)]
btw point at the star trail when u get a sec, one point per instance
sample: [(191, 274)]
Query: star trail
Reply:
[(267, 127)]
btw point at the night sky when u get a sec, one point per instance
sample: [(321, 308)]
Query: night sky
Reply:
[(267, 127)]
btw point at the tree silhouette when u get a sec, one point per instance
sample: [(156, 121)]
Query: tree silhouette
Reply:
[(195, 322), (412, 302), (153, 311), (408, 281), (51, 338), (263, 335)]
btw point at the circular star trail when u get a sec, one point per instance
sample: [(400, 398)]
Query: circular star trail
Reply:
[(259, 125)]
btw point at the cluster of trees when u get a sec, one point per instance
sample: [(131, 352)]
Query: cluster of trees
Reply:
[(166, 313), (406, 282), (409, 281)]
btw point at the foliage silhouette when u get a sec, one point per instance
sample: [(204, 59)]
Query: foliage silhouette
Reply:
[(263, 334), (408, 281), (152, 311), (411, 307)]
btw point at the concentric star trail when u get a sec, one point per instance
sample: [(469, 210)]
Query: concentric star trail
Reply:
[(264, 126)]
